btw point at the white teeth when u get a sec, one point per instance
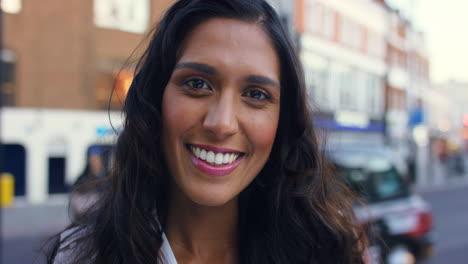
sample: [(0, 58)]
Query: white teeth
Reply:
[(210, 157), (226, 158), (219, 158), (203, 154)]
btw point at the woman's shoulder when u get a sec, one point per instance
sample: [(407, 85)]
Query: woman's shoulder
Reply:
[(68, 248)]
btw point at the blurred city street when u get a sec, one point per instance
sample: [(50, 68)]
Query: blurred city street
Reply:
[(25, 227), (450, 210), (378, 74)]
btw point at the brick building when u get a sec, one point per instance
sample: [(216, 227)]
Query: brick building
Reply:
[(66, 54)]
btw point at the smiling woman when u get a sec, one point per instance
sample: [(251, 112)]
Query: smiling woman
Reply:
[(218, 161), (226, 84)]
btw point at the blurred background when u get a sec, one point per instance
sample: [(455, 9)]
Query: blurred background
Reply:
[(383, 72)]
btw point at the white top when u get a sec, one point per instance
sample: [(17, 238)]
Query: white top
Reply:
[(166, 251), (63, 256)]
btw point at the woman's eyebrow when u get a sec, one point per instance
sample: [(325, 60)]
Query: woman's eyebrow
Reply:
[(198, 67), (257, 79), (262, 80)]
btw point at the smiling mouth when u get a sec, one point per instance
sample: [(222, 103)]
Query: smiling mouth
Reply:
[(214, 158)]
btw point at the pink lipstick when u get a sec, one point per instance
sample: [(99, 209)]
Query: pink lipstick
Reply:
[(215, 170), (221, 168)]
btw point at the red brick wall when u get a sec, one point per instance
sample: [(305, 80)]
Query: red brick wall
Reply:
[(59, 52)]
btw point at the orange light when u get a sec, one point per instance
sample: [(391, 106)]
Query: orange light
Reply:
[(123, 81)]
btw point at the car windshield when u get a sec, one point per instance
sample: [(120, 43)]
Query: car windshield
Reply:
[(374, 186)]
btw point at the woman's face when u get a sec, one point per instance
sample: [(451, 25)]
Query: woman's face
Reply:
[(220, 110)]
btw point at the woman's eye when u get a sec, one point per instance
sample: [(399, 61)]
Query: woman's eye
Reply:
[(256, 94), (197, 84)]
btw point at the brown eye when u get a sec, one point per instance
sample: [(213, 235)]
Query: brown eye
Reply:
[(256, 94), (197, 84)]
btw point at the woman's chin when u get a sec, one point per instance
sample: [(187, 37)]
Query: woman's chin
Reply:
[(210, 198)]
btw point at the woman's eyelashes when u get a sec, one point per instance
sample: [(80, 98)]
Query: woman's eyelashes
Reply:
[(197, 84), (200, 87), (196, 87), (256, 94)]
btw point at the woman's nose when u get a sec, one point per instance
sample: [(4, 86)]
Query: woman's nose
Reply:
[(221, 121)]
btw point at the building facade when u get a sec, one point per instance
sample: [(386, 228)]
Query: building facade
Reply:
[(343, 50), (367, 71)]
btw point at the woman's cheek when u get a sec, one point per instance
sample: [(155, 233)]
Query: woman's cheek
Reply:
[(263, 130)]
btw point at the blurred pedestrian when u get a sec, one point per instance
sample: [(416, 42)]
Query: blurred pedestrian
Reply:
[(89, 184), (218, 161), (94, 168)]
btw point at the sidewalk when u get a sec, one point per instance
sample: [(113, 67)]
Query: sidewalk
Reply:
[(26, 219)]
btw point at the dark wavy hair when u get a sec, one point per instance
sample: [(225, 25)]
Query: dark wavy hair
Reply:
[(295, 211)]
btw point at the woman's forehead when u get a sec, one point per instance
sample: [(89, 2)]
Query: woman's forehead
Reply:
[(220, 42)]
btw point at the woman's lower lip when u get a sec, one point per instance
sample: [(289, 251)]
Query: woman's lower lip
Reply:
[(214, 170)]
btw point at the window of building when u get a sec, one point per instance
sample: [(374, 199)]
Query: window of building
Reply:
[(374, 95), (11, 6), (360, 92), (315, 16), (316, 73), (376, 44), (351, 33), (7, 78), (126, 15), (345, 84), (329, 23)]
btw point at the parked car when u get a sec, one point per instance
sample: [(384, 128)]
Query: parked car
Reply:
[(400, 222)]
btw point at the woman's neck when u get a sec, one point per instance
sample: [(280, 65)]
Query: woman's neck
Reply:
[(202, 234)]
